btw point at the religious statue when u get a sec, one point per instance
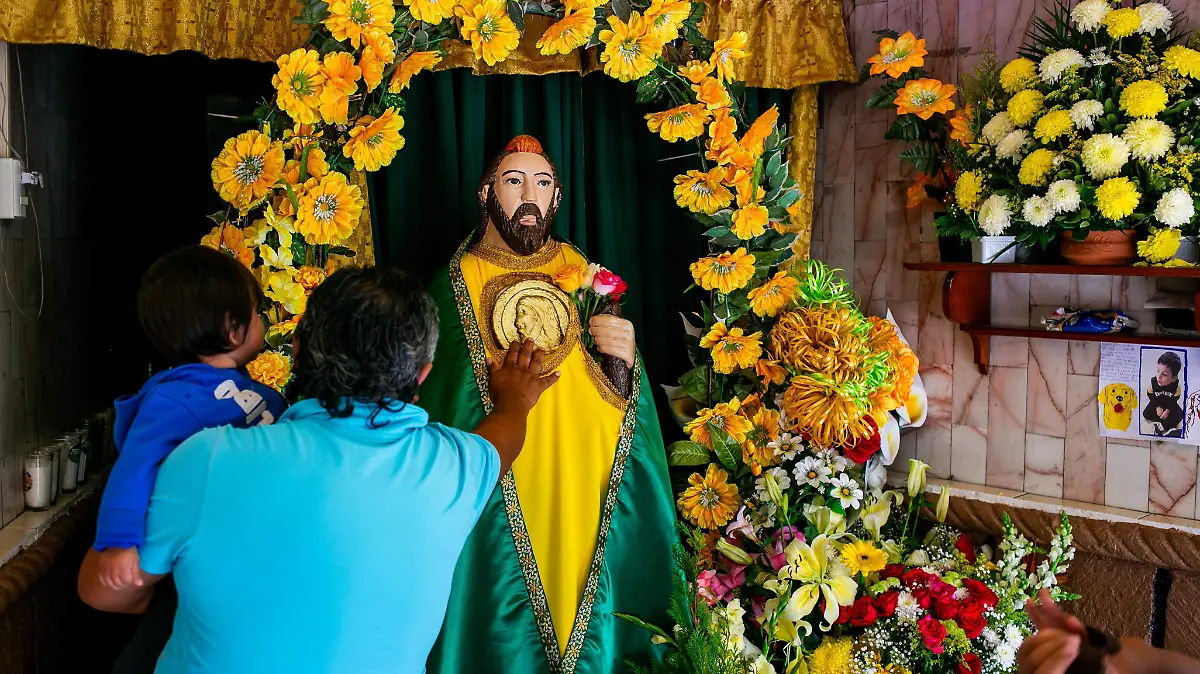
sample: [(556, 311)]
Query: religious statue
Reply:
[(583, 525)]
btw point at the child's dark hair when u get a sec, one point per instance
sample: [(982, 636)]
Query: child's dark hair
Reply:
[(192, 298), (1171, 360)]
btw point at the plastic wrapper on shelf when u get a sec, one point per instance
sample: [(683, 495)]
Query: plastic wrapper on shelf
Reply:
[(1097, 322)]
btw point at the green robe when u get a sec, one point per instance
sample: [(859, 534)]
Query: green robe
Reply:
[(497, 620)]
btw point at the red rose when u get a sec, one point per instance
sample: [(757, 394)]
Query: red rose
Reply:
[(933, 633), (843, 613), (863, 450), (915, 578), (923, 596), (607, 283), (941, 590), (981, 593), (970, 619), (892, 571), (945, 609), (970, 664), (885, 604), (862, 613), (966, 547)]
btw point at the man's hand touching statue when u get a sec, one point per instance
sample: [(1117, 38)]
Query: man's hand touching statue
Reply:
[(614, 337)]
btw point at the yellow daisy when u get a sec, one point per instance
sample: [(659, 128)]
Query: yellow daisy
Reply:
[(862, 557), (247, 169), (431, 11), (341, 80), (774, 296), (724, 273), (1052, 125), (492, 34), (270, 368), (1018, 74), (696, 71), (1024, 106), (898, 56), (833, 656), (924, 98), (968, 190), (682, 123), (725, 52), (410, 66), (1035, 167), (710, 501), (298, 85), (1160, 245), (732, 350), (349, 19), (630, 52), (374, 142), (726, 416), (750, 221), (769, 370), (284, 328), (568, 34), (329, 210), (664, 18), (702, 192)]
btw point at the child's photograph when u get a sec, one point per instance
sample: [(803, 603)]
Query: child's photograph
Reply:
[(1164, 388)]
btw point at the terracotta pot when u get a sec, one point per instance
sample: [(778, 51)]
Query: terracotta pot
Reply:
[(1114, 247)]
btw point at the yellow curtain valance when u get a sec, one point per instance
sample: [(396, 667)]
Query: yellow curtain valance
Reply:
[(792, 42)]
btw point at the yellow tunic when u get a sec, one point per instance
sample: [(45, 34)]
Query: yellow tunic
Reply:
[(564, 468)]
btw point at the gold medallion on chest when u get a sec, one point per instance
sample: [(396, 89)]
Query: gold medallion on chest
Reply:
[(520, 306)]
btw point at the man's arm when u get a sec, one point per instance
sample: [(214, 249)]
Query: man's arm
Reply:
[(132, 599), (516, 386)]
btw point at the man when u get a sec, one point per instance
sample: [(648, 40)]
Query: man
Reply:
[(584, 524), (326, 542)]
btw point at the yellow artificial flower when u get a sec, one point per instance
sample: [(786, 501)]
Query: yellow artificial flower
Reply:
[(774, 295), (300, 135), (898, 56), (229, 238), (374, 142), (968, 190), (341, 80), (298, 85), (270, 368), (924, 98), (568, 33), (582, 5), (1144, 98), (630, 51), (1122, 22), (431, 11), (1036, 166), (1160, 245), (1024, 106), (702, 192), (1183, 60), (770, 371), (817, 577), (685, 122), (756, 136), (724, 273), (696, 71), (862, 557), (492, 34), (1052, 125), (732, 350), (725, 52), (310, 277), (725, 416), (349, 19), (570, 278), (750, 221), (410, 66), (712, 93), (247, 168), (377, 55), (960, 126), (284, 328), (709, 501), (664, 18), (315, 164), (1117, 198), (255, 233), (280, 258), (329, 210), (833, 656), (1018, 74), (282, 288)]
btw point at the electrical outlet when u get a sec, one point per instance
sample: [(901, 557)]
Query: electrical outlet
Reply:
[(12, 198)]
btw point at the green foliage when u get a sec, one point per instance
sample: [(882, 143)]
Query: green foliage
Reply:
[(686, 453), (694, 382), (955, 223), (312, 12), (885, 96), (981, 88), (925, 157), (728, 450)]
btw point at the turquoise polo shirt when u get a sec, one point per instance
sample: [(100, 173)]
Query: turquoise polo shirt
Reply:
[(316, 544)]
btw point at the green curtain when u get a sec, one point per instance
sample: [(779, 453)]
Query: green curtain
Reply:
[(617, 187)]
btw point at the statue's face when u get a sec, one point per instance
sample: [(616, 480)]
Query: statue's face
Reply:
[(522, 201), (526, 321)]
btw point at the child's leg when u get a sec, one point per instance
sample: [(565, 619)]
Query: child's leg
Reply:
[(141, 653)]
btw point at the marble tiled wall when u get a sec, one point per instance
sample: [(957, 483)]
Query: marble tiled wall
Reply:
[(1030, 424)]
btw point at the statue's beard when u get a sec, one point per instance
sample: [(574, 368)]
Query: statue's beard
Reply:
[(522, 239)]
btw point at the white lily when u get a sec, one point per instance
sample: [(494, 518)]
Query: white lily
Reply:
[(818, 575), (875, 515), (824, 519)]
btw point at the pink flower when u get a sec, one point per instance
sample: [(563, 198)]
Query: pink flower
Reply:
[(774, 550), (716, 587), (705, 582), (607, 283), (741, 525)]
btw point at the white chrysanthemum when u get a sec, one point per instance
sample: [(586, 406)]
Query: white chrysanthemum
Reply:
[(908, 609), (1063, 196), (1038, 211), (1148, 139), (1054, 65), (1006, 656), (1085, 113), (1099, 57), (1089, 15), (997, 128), (1013, 145), (1012, 634), (1154, 17), (993, 215), (1175, 208), (1104, 154)]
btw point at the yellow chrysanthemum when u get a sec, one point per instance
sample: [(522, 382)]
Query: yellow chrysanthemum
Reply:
[(282, 288), (377, 55), (309, 277), (298, 85), (664, 18), (568, 33), (247, 168), (755, 136), (270, 369), (702, 192), (349, 19), (1122, 22), (630, 51), (833, 656), (1144, 98), (750, 221), (341, 80), (1024, 106), (1018, 74), (410, 66), (728, 416), (968, 190), (862, 557), (732, 350), (1117, 198), (431, 11), (492, 33), (228, 238), (1160, 245), (726, 52), (774, 296), (898, 56), (1035, 167), (696, 71), (374, 142), (709, 501), (712, 93), (724, 273), (1183, 60), (329, 210), (685, 122), (960, 126), (1052, 125), (924, 98)]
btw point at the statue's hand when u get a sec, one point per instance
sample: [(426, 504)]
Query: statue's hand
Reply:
[(614, 337)]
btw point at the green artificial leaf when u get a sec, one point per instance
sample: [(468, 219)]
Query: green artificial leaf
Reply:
[(785, 241), (728, 451), (218, 217), (904, 128), (724, 217), (341, 250), (621, 9), (686, 453), (734, 305), (299, 251), (788, 198), (650, 88), (694, 382), (765, 259), (773, 166), (420, 38), (643, 624), (718, 231), (514, 13)]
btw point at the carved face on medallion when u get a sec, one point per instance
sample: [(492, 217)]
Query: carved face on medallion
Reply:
[(534, 310)]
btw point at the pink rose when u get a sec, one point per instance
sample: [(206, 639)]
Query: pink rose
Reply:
[(606, 283)]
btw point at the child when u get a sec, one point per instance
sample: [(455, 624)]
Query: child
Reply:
[(1162, 409), (199, 307)]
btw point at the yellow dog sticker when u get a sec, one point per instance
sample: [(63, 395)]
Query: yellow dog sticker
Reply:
[(1119, 402)]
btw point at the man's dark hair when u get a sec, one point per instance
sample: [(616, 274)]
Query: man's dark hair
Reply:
[(365, 336), (1171, 360), (192, 298)]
